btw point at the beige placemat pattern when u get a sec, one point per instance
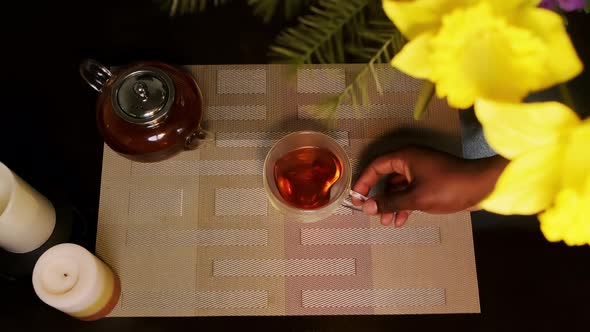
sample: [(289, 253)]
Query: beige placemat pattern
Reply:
[(195, 235)]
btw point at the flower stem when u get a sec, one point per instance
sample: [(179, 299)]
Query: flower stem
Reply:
[(424, 98)]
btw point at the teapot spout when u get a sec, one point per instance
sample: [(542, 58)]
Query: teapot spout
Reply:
[(196, 138)]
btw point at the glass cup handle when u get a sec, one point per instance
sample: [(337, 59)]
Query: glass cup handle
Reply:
[(347, 202), (95, 74)]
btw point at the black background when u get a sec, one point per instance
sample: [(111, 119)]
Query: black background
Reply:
[(48, 136)]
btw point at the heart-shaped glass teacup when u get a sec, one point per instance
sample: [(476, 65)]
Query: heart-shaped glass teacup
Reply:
[(339, 189)]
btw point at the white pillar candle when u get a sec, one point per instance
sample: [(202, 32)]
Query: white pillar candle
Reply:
[(27, 218), (71, 279)]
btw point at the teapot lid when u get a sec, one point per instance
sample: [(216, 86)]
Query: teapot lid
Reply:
[(143, 96)]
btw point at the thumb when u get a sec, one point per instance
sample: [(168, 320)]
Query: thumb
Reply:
[(395, 201)]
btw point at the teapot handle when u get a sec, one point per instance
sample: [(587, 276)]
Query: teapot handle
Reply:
[(196, 137), (95, 74)]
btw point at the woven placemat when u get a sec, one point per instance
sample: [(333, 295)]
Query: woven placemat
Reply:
[(195, 235)]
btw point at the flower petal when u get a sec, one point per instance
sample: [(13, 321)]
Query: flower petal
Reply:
[(415, 17), (528, 184), (509, 6), (561, 61), (577, 157), (413, 59), (478, 54), (568, 219), (513, 129)]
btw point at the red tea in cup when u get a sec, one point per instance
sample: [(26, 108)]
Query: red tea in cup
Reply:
[(304, 176)]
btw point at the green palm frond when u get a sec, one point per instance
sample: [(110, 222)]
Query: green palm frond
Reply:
[(268, 8), (184, 7), (357, 90), (337, 31), (373, 36), (320, 36)]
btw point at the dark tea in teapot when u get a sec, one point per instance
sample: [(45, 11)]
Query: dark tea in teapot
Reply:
[(147, 111)]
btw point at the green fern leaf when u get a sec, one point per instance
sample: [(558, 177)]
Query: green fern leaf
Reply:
[(357, 90), (267, 9), (320, 36), (185, 7)]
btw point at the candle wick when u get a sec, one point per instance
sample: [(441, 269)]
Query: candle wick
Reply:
[(65, 275)]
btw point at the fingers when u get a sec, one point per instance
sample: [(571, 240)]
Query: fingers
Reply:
[(397, 182), (387, 164), (395, 201), (370, 207), (401, 217), (387, 218), (357, 199), (398, 218), (390, 202)]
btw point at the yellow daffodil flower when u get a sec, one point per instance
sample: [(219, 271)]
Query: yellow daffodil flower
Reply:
[(415, 17), (549, 169), (498, 50), (568, 220)]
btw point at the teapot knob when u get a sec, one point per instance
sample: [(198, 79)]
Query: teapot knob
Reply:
[(141, 90)]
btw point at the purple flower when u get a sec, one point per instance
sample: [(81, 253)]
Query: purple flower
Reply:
[(549, 4), (570, 5), (567, 5)]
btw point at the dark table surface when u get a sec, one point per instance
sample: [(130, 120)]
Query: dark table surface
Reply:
[(49, 137)]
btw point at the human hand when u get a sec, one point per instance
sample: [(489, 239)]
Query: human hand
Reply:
[(427, 180)]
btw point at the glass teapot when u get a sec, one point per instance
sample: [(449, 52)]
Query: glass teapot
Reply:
[(147, 111)]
